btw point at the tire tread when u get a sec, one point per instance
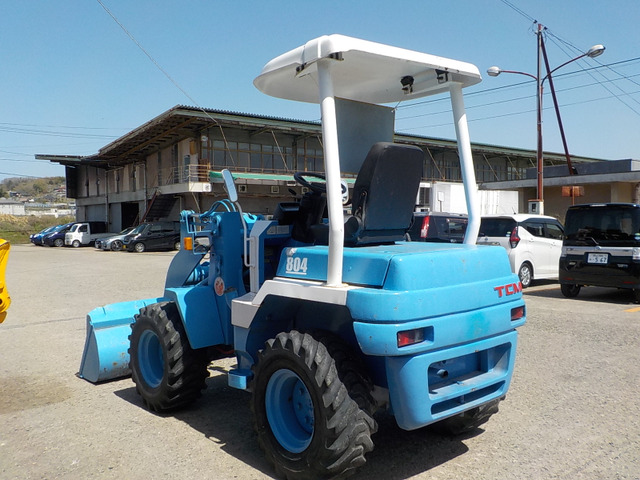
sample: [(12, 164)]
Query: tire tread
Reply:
[(345, 393), (186, 370)]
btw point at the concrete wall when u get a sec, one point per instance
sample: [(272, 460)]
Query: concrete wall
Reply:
[(556, 205), (12, 209)]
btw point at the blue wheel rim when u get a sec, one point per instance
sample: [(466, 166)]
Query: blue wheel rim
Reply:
[(150, 359), (289, 410)]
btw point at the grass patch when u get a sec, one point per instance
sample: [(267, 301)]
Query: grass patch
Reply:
[(17, 229)]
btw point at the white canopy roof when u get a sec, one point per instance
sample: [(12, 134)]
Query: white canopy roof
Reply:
[(363, 71)]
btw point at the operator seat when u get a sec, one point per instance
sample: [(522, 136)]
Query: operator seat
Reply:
[(384, 197)]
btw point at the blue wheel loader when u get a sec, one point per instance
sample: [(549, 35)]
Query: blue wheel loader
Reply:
[(329, 313)]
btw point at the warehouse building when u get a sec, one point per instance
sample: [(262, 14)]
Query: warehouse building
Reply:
[(163, 167)]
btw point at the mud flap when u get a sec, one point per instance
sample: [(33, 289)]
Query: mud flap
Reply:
[(5, 299), (106, 348)]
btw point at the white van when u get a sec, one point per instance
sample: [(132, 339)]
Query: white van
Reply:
[(533, 242)]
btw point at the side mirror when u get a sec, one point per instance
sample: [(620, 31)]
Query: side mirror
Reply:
[(229, 185), (345, 192)]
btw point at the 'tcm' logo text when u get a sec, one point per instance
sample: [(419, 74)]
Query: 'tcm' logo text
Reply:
[(509, 289)]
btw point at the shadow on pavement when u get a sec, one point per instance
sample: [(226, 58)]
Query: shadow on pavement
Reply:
[(550, 289), (223, 416)]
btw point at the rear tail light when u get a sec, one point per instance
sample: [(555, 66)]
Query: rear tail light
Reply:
[(514, 238), (425, 227), (517, 313), (410, 337)]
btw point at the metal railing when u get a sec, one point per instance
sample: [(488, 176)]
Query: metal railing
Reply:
[(185, 174)]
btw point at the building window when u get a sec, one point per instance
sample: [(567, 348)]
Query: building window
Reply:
[(270, 156)]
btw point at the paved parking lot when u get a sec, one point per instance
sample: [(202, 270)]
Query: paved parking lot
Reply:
[(573, 411)]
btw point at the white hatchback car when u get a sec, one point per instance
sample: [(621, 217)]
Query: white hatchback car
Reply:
[(533, 242)]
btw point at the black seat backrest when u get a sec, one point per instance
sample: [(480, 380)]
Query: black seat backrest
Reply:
[(384, 195)]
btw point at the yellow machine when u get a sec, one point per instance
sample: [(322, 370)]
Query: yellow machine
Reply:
[(5, 299)]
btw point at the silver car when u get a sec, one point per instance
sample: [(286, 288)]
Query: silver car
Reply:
[(114, 242)]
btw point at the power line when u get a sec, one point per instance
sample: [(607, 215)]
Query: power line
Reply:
[(19, 160), (522, 83), (60, 126), (20, 175), (615, 95), (556, 39), (519, 11), (50, 133), (175, 83), (12, 153), (526, 97), (510, 114), (153, 60)]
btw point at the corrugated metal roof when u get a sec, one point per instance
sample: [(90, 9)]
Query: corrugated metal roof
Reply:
[(181, 122)]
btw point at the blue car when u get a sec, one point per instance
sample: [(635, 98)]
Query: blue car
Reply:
[(36, 238), (55, 238)]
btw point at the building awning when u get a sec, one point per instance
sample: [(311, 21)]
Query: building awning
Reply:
[(617, 171), (273, 178)]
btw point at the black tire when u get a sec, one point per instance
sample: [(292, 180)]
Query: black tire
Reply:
[(75, 243), (570, 290), (116, 246), (58, 242), (167, 372), (312, 408), (139, 247), (525, 274), (177, 245), (467, 421)]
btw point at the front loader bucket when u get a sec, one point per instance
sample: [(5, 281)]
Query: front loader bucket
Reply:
[(5, 299), (106, 348)]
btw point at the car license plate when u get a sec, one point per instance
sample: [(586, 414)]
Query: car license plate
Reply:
[(601, 258)]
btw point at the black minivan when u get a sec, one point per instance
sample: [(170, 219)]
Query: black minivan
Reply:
[(437, 227), (153, 236), (601, 248)]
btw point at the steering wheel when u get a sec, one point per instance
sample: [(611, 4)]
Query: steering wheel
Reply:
[(313, 186)]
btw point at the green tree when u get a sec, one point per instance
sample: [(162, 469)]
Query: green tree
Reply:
[(39, 187)]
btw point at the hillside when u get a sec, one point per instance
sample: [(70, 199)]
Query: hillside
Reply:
[(36, 190), (40, 190)]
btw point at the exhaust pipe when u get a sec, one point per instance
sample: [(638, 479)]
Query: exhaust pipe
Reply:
[(440, 372)]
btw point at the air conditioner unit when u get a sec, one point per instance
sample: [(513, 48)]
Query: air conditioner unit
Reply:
[(275, 189), (242, 189)]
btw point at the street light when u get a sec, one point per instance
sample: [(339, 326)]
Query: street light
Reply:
[(494, 71)]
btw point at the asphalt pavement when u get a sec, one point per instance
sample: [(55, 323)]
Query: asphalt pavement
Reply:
[(573, 410)]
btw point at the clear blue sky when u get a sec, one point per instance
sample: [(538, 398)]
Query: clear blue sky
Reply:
[(72, 81)]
